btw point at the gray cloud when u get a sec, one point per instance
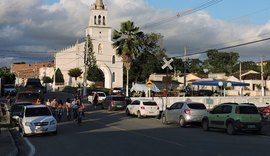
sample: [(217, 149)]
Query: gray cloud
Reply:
[(31, 30)]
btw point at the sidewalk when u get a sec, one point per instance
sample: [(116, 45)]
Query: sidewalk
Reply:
[(7, 144)]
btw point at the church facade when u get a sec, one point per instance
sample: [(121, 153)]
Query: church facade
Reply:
[(107, 61)]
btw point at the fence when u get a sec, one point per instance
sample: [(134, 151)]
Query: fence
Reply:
[(211, 101)]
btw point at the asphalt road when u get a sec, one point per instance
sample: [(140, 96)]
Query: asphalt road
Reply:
[(104, 133)]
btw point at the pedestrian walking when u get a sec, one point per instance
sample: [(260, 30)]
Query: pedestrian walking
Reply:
[(80, 111), (60, 109), (54, 106), (74, 108), (68, 108), (95, 100)]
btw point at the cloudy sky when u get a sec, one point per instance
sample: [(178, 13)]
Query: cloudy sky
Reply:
[(32, 30)]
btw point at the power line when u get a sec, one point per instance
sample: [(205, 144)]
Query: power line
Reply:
[(229, 47)]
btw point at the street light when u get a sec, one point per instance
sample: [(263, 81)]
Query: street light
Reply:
[(224, 85)]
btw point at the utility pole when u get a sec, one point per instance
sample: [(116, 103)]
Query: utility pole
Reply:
[(185, 73), (240, 77), (85, 67), (262, 85)]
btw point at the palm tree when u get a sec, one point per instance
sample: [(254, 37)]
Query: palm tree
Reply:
[(128, 42), (75, 72)]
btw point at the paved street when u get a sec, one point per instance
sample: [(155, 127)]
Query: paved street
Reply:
[(113, 133)]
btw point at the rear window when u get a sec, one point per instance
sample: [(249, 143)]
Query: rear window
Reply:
[(248, 110), (101, 94), (32, 96), (18, 108), (118, 98), (41, 111), (196, 106), (149, 103)]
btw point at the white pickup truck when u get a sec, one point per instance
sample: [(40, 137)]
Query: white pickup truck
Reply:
[(101, 97)]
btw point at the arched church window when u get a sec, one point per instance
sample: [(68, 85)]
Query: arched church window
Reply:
[(113, 59), (99, 48), (113, 77), (99, 20), (104, 20), (95, 19)]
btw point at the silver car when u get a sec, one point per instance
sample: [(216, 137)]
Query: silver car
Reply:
[(183, 113)]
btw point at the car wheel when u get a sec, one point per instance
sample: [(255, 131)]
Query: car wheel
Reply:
[(24, 134), (205, 125), (20, 129), (182, 122), (230, 129), (109, 108), (139, 115), (164, 120), (55, 132), (127, 112)]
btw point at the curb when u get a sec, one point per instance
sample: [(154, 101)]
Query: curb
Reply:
[(15, 151)]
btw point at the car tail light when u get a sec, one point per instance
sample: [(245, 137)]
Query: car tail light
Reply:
[(187, 111), (142, 107)]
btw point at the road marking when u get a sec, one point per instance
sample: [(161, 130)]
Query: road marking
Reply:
[(140, 134), (31, 146)]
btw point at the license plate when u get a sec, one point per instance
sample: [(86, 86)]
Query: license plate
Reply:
[(119, 106), (251, 126), (41, 129)]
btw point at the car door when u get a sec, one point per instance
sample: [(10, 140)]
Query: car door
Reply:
[(132, 107), (222, 118), (170, 112), (176, 113), (213, 116)]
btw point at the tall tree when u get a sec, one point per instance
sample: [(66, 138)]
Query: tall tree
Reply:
[(246, 65), (221, 61), (75, 72), (267, 67), (91, 68), (128, 42), (6, 76)]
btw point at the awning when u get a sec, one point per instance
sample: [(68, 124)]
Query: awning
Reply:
[(143, 87), (219, 83)]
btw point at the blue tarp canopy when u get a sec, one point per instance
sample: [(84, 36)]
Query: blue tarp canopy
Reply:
[(143, 87), (219, 83)]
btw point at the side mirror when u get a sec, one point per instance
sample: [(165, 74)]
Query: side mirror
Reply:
[(16, 118)]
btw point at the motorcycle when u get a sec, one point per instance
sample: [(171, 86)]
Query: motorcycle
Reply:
[(265, 112)]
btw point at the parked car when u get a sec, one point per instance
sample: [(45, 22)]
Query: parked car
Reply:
[(118, 91), (35, 85), (101, 97), (233, 117), (9, 89), (114, 102), (36, 119), (143, 108), (15, 110), (27, 96), (183, 113)]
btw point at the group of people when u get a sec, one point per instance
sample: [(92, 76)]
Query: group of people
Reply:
[(72, 108)]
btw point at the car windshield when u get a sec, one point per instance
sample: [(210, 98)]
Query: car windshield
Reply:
[(18, 107), (248, 110), (118, 98), (196, 106), (101, 94), (32, 96), (150, 103), (40, 111)]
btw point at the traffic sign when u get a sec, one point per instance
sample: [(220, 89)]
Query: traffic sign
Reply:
[(167, 63), (149, 83)]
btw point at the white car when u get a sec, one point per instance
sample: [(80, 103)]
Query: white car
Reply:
[(36, 119), (143, 108), (101, 97)]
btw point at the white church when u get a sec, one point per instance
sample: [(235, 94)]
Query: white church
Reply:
[(107, 61)]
